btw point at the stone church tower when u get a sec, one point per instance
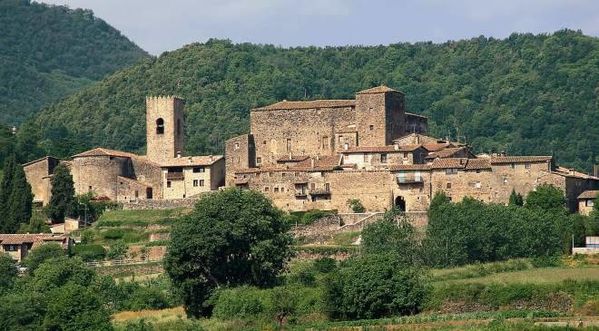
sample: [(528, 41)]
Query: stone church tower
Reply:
[(164, 128)]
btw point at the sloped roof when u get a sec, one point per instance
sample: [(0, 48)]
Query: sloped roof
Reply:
[(478, 164), (189, 161), (448, 163), (434, 147), (99, 151), (17, 239), (377, 89), (590, 194), (382, 149), (292, 158), (446, 152), (311, 104), (519, 159), (39, 160)]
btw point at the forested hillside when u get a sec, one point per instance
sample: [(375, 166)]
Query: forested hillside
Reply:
[(527, 94), (48, 52)]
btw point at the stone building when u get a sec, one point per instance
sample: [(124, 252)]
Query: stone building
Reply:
[(319, 154), (163, 173), (18, 246)]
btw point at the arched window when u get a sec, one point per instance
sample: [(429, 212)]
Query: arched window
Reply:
[(160, 126)]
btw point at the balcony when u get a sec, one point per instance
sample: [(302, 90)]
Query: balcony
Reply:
[(320, 192), (175, 176)]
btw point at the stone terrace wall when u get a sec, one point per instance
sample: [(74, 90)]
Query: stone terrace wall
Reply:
[(160, 204)]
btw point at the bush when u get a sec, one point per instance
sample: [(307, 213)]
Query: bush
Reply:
[(325, 264), (307, 217), (42, 253), (356, 205), (118, 250), (243, 302), (90, 252), (374, 286)]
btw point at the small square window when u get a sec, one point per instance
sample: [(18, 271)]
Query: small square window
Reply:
[(527, 166), (371, 127), (236, 146), (266, 189), (201, 182), (168, 183), (276, 190), (384, 158), (448, 185), (196, 183), (258, 160)]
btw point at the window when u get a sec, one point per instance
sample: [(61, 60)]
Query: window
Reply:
[(417, 176), (201, 182), (196, 183), (160, 126), (401, 177), (325, 142), (384, 158), (405, 155), (266, 189), (89, 189), (199, 169), (590, 203), (371, 127), (288, 145), (276, 190), (11, 248), (168, 183), (527, 166), (448, 185), (258, 160), (451, 171), (236, 146), (365, 158), (312, 186), (327, 187), (136, 194), (513, 165)]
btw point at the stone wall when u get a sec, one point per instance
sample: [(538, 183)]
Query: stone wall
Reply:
[(164, 146), (240, 154), (278, 133), (149, 173), (38, 176), (99, 174), (161, 204)]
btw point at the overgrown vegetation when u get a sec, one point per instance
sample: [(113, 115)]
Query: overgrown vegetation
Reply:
[(525, 94)]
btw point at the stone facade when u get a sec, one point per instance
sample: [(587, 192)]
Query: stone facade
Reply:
[(319, 154), (586, 201), (164, 173)]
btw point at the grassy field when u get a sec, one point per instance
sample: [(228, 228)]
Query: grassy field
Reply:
[(537, 276), (139, 218)]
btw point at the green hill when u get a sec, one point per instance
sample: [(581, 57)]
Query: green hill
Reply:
[(48, 52), (526, 94)]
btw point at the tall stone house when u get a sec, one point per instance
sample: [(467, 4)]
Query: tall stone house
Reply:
[(319, 154), (163, 173)]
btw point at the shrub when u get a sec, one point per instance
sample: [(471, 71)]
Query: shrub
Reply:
[(325, 264), (374, 286), (90, 252), (240, 303), (117, 250), (356, 205)]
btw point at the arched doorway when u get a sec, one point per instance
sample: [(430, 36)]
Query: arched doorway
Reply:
[(400, 203)]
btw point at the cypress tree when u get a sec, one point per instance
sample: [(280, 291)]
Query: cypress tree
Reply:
[(6, 187), (20, 201), (63, 194), (516, 199)]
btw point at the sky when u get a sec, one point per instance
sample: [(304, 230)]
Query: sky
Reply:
[(163, 25)]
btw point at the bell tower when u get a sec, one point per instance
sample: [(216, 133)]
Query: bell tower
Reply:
[(164, 128)]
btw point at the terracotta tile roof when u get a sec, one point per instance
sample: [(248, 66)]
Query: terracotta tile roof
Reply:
[(478, 164), (382, 149), (312, 104), (104, 152), (190, 161), (293, 158), (16, 239), (377, 89), (407, 167), (566, 172), (590, 194), (519, 159), (446, 152), (434, 147), (458, 163)]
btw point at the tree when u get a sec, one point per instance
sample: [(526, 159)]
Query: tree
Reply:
[(8, 272), (546, 197), (232, 237), (6, 187), (374, 286), (20, 202), (63, 193), (41, 254), (393, 234), (37, 224), (516, 199), (356, 205)]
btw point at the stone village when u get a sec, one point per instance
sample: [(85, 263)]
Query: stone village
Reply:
[(311, 155)]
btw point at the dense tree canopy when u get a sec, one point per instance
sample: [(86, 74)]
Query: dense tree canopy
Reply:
[(233, 237), (48, 52), (526, 94)]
